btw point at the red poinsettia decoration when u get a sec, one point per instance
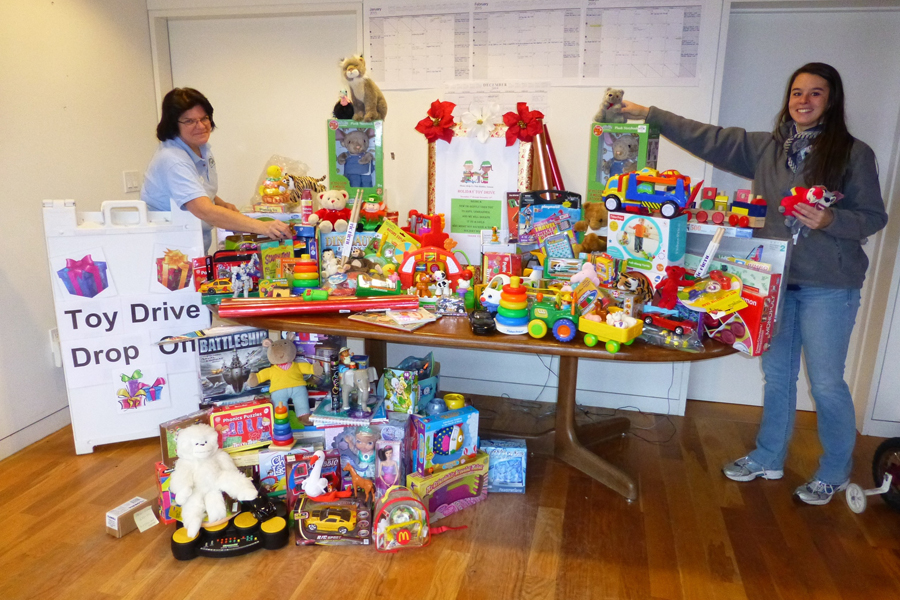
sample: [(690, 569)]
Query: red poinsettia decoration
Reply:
[(438, 125), (524, 125)]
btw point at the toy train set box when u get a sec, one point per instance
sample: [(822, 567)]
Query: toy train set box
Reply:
[(649, 243), (509, 460), (618, 148), (446, 492), (442, 441)]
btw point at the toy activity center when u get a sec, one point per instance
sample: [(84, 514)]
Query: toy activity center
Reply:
[(488, 300)]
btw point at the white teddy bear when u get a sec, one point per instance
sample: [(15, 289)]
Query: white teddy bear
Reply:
[(202, 472)]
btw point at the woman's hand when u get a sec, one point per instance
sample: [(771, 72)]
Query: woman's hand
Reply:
[(813, 217), (276, 230), (634, 111)]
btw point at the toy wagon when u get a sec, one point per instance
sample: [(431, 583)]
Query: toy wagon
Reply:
[(597, 331)]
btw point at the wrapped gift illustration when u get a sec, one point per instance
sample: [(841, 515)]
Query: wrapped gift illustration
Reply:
[(173, 269), (84, 277)]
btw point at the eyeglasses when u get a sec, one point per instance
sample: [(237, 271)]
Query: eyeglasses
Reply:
[(193, 122)]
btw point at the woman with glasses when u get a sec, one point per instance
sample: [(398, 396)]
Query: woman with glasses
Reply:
[(810, 146), (184, 170)]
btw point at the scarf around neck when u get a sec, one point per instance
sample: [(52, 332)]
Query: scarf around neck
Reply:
[(799, 144)]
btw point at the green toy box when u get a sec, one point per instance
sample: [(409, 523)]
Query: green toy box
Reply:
[(618, 148), (355, 157)]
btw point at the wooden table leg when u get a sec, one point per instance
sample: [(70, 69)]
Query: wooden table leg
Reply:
[(568, 446), (376, 350)]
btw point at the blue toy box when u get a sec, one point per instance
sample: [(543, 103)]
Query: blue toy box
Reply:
[(509, 460), (442, 441)]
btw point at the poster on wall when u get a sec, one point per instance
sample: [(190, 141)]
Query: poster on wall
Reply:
[(471, 182)]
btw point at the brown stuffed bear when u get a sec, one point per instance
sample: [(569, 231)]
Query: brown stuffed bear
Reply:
[(595, 217)]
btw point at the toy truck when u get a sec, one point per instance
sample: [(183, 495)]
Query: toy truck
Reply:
[(544, 315), (630, 192), (598, 331)]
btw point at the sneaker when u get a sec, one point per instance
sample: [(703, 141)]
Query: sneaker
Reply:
[(745, 469), (818, 492)]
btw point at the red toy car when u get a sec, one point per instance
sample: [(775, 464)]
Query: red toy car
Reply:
[(679, 327)]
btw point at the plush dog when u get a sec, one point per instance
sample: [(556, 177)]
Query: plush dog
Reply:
[(611, 107), (368, 101), (595, 217), (202, 473), (334, 214)]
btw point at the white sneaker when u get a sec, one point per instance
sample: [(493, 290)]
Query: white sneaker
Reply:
[(817, 492), (745, 469)]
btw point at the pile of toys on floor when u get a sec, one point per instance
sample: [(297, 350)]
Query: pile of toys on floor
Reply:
[(296, 433)]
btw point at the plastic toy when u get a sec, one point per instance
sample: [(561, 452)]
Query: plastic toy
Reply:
[(634, 191), (216, 286), (368, 101), (360, 484), (512, 313), (401, 521), (335, 522), (885, 469), (202, 473), (607, 331), (676, 326), (314, 484), (334, 214), (490, 295), (452, 490), (357, 380), (261, 524), (508, 464), (552, 315), (429, 259), (482, 322), (276, 188)]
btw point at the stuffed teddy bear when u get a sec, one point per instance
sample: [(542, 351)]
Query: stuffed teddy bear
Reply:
[(595, 216), (368, 101), (288, 378), (334, 213), (330, 265), (202, 473), (611, 107), (359, 163)]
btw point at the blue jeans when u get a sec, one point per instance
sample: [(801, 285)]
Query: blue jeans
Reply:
[(820, 320)]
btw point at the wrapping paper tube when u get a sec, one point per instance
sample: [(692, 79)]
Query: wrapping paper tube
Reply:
[(242, 307), (554, 165)]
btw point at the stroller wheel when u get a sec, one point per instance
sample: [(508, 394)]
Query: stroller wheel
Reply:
[(887, 460)]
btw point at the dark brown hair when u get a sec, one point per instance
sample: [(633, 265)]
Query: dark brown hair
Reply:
[(827, 162), (176, 103)]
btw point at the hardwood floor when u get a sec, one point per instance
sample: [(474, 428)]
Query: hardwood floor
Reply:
[(692, 534)]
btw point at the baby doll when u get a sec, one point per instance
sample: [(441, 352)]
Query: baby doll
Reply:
[(365, 451)]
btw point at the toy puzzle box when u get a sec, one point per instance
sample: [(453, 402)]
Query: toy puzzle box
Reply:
[(618, 148)]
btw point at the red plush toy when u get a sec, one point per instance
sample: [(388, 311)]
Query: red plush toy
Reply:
[(668, 286), (334, 214), (816, 196)]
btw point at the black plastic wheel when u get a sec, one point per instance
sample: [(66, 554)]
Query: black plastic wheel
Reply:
[(887, 460), (669, 209), (612, 203)]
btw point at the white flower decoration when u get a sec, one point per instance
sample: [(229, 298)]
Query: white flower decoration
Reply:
[(481, 120)]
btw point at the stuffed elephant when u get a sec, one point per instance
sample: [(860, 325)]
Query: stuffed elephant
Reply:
[(360, 380)]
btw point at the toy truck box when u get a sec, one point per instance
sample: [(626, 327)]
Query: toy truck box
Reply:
[(345, 521), (508, 464), (618, 148), (442, 441), (446, 492), (649, 243)]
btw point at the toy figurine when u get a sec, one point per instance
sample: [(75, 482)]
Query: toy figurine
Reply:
[(441, 284), (359, 380), (240, 281), (315, 485), (365, 451), (288, 378), (360, 484), (422, 283), (372, 213), (388, 469)]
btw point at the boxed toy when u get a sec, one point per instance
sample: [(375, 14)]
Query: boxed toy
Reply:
[(509, 460), (243, 425), (442, 441), (618, 148), (355, 157), (345, 521), (543, 214), (446, 492), (169, 512), (272, 468), (121, 520), (298, 468), (227, 357), (169, 429), (649, 243)]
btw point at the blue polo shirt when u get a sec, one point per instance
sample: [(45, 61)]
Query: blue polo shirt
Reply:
[(176, 173)]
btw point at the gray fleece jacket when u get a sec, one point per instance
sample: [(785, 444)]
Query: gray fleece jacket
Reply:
[(831, 257)]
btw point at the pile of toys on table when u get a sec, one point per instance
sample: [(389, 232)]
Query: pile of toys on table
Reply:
[(300, 434)]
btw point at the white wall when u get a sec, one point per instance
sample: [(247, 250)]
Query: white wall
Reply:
[(764, 47), (78, 106)]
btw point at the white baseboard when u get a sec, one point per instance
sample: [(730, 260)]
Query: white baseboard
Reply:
[(34, 432)]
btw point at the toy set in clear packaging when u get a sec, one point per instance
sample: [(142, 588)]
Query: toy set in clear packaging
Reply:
[(401, 521)]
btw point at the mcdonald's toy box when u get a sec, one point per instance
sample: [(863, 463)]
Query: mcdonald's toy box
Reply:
[(443, 441), (446, 492)]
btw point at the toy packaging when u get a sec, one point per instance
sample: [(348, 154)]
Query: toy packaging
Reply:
[(401, 390), (120, 521), (297, 467), (442, 441), (227, 357), (446, 492), (272, 468), (355, 157), (509, 460), (618, 148), (272, 254), (243, 425), (542, 214), (388, 466), (169, 429), (494, 263), (649, 243), (169, 512), (401, 521), (341, 522)]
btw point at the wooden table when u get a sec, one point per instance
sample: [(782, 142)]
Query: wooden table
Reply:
[(454, 332)]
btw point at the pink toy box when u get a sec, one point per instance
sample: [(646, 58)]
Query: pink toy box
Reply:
[(442, 441), (447, 492)]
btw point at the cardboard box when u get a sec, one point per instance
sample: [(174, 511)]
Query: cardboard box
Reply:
[(227, 357), (443, 441), (120, 520), (508, 465), (347, 171), (649, 243), (169, 430), (446, 492), (244, 425), (608, 140)]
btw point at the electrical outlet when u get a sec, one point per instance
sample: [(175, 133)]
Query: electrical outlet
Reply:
[(132, 181)]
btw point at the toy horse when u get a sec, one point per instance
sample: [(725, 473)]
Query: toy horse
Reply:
[(360, 483)]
